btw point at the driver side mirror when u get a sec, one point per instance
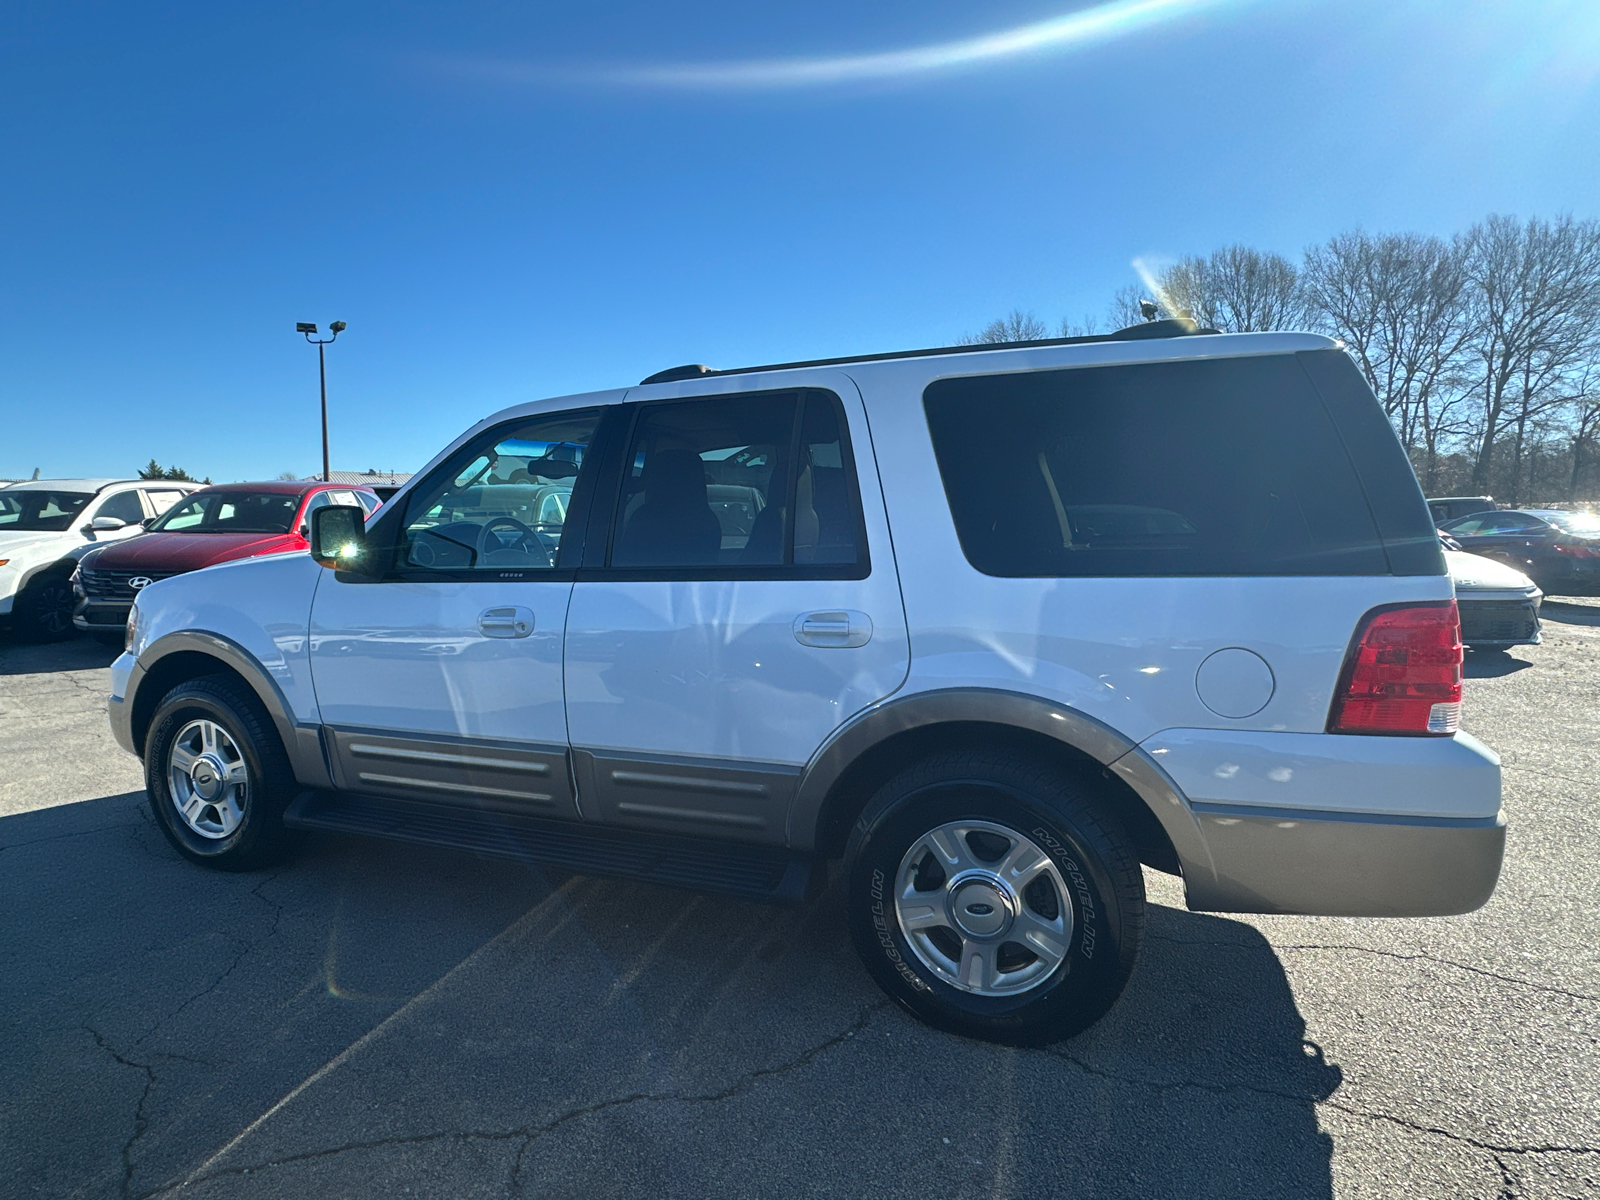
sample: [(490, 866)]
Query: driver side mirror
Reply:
[(148, 521), (107, 524), (339, 537)]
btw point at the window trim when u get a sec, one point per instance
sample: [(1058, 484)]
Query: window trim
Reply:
[(602, 517), (388, 528)]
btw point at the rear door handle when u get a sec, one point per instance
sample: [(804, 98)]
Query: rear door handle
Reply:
[(840, 628), (512, 621)]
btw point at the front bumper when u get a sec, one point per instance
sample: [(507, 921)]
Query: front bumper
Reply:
[(1490, 619), (1336, 825), (101, 616), (119, 704)]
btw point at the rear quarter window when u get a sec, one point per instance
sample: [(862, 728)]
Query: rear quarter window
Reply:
[(1212, 467)]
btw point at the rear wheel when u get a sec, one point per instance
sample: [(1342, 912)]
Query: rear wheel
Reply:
[(217, 776), (990, 897), (43, 610)]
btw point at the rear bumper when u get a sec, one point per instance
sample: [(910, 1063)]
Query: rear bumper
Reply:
[(1333, 825)]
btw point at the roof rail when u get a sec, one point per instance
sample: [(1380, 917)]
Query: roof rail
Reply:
[(1173, 327)]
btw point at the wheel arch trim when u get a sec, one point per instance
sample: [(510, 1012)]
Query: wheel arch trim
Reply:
[(993, 706), (302, 743)]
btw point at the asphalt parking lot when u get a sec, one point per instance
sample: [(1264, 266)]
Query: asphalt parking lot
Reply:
[(383, 1020)]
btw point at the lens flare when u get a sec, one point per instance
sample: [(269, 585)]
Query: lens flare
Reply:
[(1076, 30)]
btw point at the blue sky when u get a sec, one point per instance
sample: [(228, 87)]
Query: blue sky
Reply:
[(511, 201)]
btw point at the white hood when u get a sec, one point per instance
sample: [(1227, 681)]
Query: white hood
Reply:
[(1473, 573), (16, 543)]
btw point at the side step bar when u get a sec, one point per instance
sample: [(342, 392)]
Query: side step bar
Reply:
[(754, 872)]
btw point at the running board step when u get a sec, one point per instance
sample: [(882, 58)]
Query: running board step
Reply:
[(754, 872)]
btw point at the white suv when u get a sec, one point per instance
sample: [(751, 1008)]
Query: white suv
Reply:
[(993, 626), (46, 525)]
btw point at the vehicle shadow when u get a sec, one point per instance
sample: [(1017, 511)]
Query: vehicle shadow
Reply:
[(586, 1037), (80, 653), (1569, 612), (1492, 664)]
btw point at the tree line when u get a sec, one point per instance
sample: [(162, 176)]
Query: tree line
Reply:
[(1484, 348)]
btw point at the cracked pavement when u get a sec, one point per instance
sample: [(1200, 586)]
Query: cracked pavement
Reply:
[(386, 1020)]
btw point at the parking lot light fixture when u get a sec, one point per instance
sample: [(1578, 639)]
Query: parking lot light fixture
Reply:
[(335, 328)]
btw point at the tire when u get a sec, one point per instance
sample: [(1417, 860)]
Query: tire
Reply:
[(1046, 842), (219, 727), (43, 610)]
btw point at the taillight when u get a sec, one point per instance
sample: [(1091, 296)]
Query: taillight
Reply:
[(1403, 673), (1575, 550)]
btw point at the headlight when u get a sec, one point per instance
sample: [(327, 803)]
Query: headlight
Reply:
[(132, 635)]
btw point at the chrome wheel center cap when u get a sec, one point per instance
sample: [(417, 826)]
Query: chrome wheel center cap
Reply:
[(981, 908), (206, 778)]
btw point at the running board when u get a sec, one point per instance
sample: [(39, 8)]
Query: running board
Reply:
[(754, 872)]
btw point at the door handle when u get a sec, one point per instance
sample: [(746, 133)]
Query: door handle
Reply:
[(512, 621), (842, 628)]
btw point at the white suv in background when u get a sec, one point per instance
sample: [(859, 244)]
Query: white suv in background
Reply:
[(993, 626), (46, 525)]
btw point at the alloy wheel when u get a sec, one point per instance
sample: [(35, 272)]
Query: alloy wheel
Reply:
[(984, 908), (208, 778)]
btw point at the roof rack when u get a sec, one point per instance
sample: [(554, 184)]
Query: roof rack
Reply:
[(1172, 327)]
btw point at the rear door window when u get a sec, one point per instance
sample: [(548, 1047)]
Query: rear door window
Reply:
[(1220, 467), (729, 483)]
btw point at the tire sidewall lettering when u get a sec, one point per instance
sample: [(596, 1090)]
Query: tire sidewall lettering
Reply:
[(1088, 911)]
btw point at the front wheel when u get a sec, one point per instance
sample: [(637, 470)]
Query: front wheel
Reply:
[(992, 898), (217, 776), (43, 611)]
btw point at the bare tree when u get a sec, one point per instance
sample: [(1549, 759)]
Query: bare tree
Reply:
[(1015, 326), (1398, 302), (1535, 292), (1237, 290)]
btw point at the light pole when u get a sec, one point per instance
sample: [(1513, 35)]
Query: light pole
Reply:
[(335, 328)]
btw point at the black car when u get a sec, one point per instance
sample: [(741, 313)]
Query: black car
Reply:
[(1559, 550)]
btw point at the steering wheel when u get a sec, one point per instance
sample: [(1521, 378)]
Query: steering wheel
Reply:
[(527, 539)]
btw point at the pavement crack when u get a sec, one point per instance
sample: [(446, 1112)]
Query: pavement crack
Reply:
[(1160, 1086), (249, 947), (140, 1121), (528, 1134), (1417, 956)]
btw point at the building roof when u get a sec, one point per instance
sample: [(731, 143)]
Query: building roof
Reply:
[(364, 478)]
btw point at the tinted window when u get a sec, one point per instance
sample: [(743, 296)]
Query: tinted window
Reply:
[(743, 481), (1513, 522), (231, 512), (39, 511), (1227, 467), (500, 502), (124, 506), (1468, 525)]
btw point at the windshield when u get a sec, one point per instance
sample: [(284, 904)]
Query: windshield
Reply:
[(1581, 523), (40, 511), (231, 512)]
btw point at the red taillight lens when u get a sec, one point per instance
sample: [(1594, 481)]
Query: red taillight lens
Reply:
[(1403, 674), (1575, 550)]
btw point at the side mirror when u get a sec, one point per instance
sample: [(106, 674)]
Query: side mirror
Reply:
[(339, 537), (107, 524), (148, 521)]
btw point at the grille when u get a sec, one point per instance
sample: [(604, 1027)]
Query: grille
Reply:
[(1498, 620), (113, 585)]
